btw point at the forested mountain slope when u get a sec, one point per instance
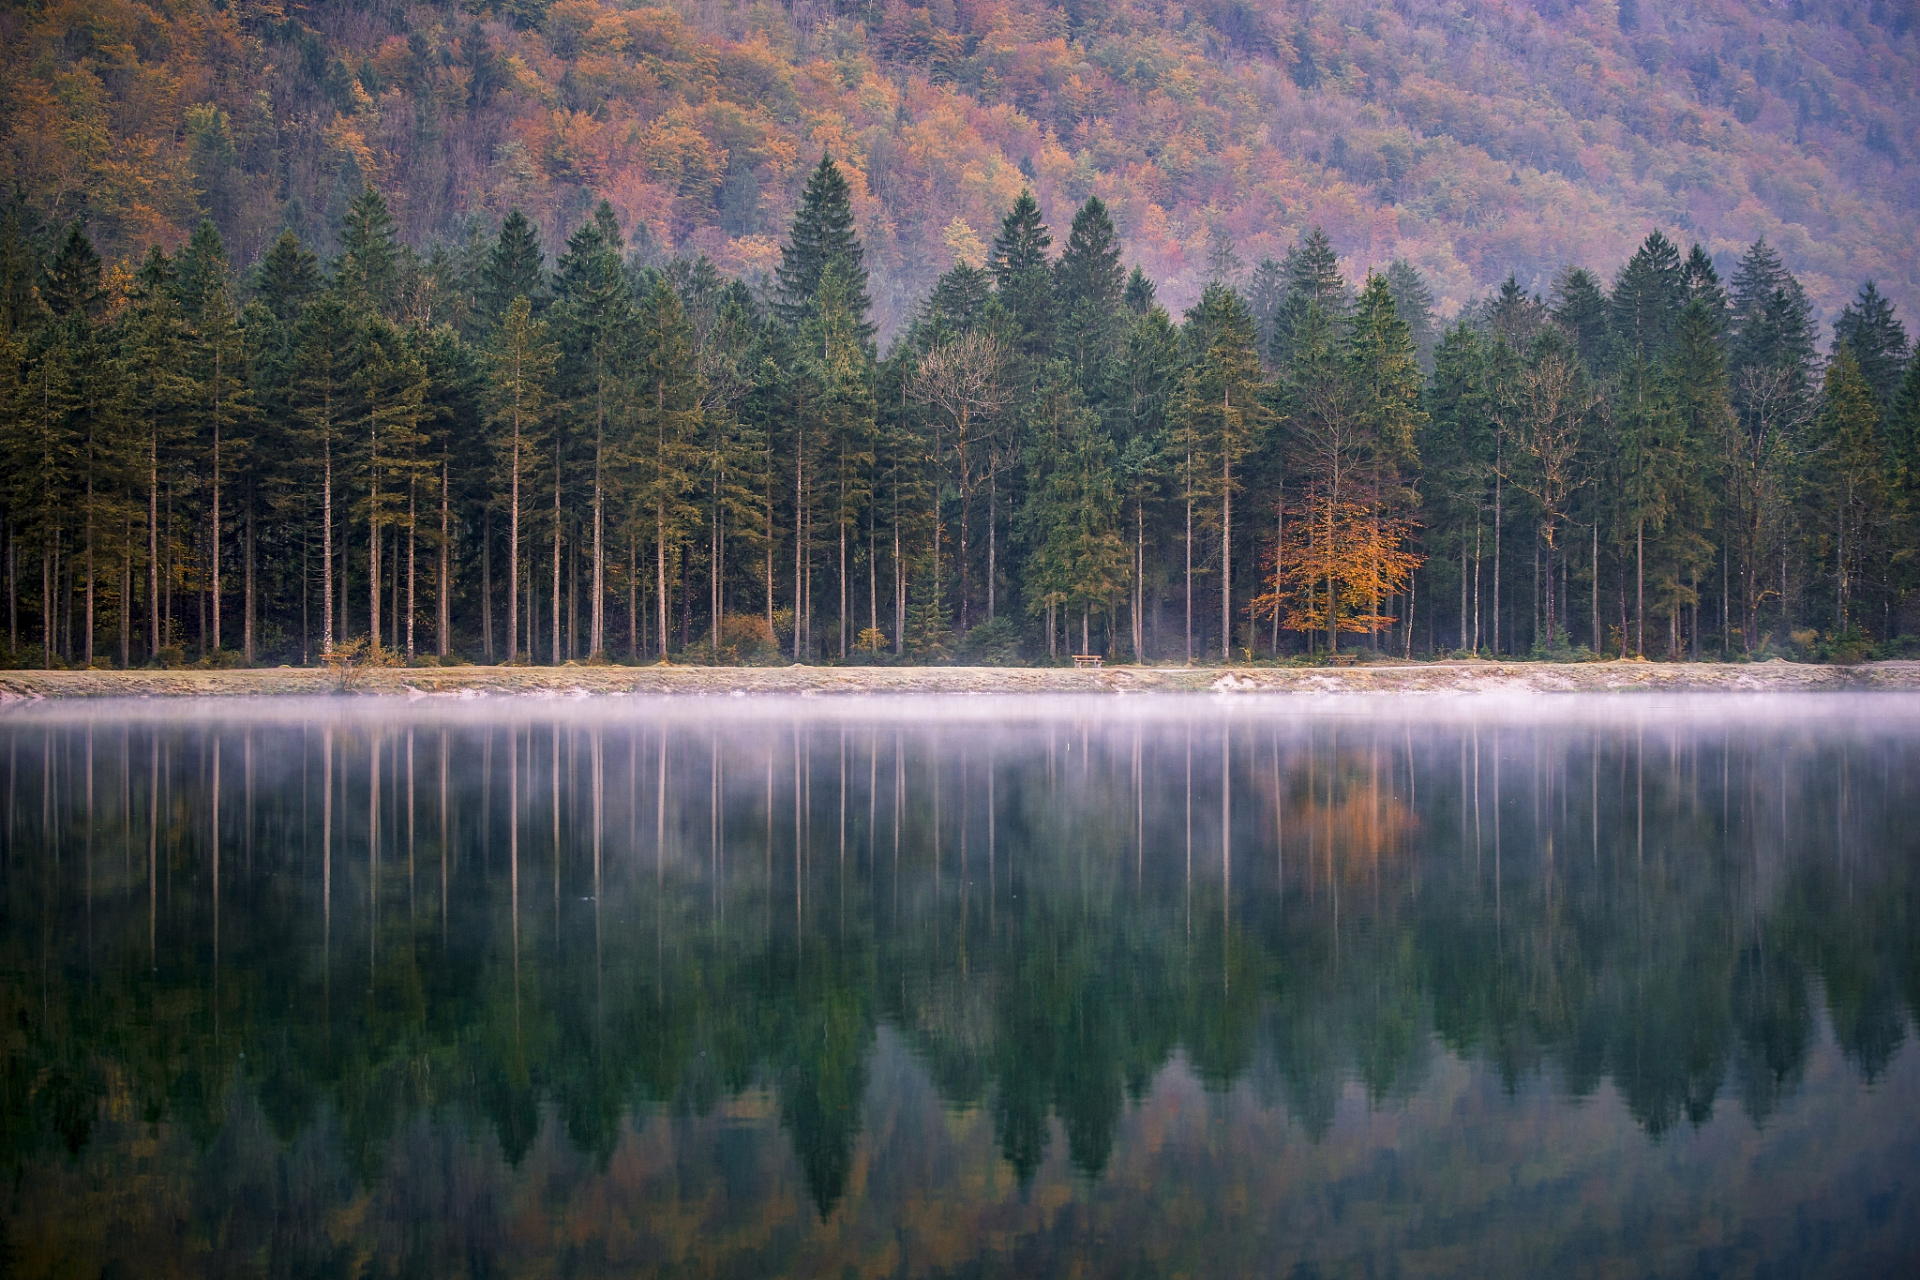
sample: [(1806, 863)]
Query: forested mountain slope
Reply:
[(1473, 137)]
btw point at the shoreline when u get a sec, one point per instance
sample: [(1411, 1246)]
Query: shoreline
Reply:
[(1421, 679)]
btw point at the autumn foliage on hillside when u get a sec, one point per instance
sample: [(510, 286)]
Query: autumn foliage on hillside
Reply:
[(1472, 138)]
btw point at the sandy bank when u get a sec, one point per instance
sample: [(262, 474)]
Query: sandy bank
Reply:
[(1437, 678)]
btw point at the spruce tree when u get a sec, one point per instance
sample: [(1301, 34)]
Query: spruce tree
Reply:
[(665, 434), (1313, 280), (287, 278), (1579, 307), (1771, 318), (522, 362), (1139, 295), (1850, 477), (322, 396), (1222, 417), (1088, 282), (368, 272), (822, 235), (514, 268), (1869, 329), (1266, 294), (1413, 304), (1024, 280), (1647, 297), (71, 283)]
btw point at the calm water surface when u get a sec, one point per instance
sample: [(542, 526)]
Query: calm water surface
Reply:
[(1127, 988)]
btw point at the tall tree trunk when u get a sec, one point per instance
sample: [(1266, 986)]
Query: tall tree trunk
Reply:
[(1640, 587), (660, 568), (412, 580), (326, 535), (153, 545), (1189, 551), (556, 654), (247, 602), (214, 530), (87, 645), (441, 608), (513, 545), (1226, 553), (1497, 496), (597, 613), (373, 531)]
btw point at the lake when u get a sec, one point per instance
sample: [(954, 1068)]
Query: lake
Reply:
[(1125, 987)]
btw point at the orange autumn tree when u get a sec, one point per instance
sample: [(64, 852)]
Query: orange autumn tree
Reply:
[(1338, 559)]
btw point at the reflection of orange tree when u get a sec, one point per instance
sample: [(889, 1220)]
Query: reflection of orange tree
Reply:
[(1336, 561)]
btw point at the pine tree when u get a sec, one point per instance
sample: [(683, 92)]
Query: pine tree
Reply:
[(223, 393), (1869, 329), (161, 392), (822, 235), (1413, 303), (1701, 283), (1266, 295), (1772, 324), (595, 307), (1313, 278), (522, 364), (1139, 295), (368, 273), (1221, 418), (392, 386), (1024, 281), (71, 283), (1148, 387), (514, 268), (1850, 476), (287, 279), (1647, 297), (322, 394), (665, 433), (1457, 457), (1079, 561), (1088, 282), (1579, 307)]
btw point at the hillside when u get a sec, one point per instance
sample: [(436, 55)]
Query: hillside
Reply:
[(1473, 138)]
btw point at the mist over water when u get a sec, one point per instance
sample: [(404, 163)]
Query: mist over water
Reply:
[(969, 987)]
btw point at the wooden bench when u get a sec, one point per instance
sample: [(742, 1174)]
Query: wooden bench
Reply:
[(1085, 660), (1342, 659)]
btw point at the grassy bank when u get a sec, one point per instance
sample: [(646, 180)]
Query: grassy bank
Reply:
[(1417, 678)]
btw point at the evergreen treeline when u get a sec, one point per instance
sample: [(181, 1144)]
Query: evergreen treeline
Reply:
[(469, 455)]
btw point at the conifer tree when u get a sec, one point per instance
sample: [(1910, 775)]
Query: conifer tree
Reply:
[(1869, 329), (1088, 282), (1647, 297), (368, 273), (514, 268), (595, 307), (1413, 304), (224, 386), (1024, 282), (1579, 307), (1850, 478), (1222, 416), (1266, 295), (326, 342), (666, 428), (522, 361), (287, 278), (822, 235)]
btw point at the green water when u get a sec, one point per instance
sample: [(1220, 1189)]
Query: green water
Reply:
[(1120, 988)]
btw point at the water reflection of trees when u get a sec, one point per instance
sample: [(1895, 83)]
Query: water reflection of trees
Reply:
[(681, 920)]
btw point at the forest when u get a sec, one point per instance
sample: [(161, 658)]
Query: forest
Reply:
[(503, 451)]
